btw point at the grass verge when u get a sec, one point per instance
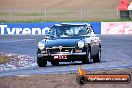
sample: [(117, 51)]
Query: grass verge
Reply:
[(4, 59), (60, 80), (42, 20)]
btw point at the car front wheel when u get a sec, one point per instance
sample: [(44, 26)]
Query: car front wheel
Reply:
[(87, 58), (41, 62), (97, 58)]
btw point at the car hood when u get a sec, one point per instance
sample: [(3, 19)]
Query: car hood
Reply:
[(65, 42)]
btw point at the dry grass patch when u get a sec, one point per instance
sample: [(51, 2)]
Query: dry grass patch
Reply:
[(4, 59)]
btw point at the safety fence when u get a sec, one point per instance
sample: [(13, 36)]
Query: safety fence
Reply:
[(42, 28), (58, 14)]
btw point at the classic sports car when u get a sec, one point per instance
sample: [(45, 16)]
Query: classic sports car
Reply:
[(67, 42)]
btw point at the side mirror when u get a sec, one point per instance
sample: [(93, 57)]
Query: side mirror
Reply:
[(92, 33)]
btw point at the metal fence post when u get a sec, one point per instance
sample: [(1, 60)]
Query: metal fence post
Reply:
[(10, 14), (45, 14), (117, 13), (81, 14)]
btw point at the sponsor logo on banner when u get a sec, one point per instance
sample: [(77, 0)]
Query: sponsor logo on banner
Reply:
[(83, 77), (6, 30), (116, 28), (36, 28)]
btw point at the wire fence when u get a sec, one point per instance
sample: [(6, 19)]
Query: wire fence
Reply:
[(58, 14)]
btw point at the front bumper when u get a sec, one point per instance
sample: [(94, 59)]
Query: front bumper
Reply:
[(62, 53), (70, 57)]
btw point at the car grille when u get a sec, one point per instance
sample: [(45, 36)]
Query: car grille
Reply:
[(62, 49)]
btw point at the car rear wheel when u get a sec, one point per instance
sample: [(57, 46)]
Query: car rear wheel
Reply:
[(41, 62), (55, 63), (97, 58), (87, 58)]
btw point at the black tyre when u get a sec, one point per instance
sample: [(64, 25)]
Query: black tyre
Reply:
[(87, 58), (55, 63), (81, 80), (97, 58), (41, 62)]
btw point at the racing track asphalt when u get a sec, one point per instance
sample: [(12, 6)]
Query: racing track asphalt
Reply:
[(116, 54)]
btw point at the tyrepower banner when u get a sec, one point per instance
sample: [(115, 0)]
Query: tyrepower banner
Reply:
[(37, 28), (116, 27)]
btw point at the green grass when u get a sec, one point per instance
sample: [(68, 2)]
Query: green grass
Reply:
[(28, 14), (25, 21), (4, 59), (42, 20), (4, 14), (35, 13)]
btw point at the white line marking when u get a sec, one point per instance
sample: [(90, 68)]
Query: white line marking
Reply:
[(17, 40)]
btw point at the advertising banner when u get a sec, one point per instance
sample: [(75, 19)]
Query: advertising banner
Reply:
[(116, 27), (37, 28)]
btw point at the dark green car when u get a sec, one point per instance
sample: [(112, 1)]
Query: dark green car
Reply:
[(68, 42)]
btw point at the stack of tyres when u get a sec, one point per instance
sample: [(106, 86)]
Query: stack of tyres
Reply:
[(124, 14), (130, 14)]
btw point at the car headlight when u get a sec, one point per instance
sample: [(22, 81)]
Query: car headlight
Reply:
[(41, 46), (80, 44)]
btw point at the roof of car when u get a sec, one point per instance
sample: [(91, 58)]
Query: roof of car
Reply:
[(72, 24)]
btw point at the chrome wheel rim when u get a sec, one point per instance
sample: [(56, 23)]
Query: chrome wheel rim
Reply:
[(99, 55), (89, 56)]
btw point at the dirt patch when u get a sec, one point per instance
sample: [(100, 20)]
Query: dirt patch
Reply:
[(15, 61), (72, 4), (58, 10), (59, 81)]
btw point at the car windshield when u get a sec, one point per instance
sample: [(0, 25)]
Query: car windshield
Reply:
[(67, 31)]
